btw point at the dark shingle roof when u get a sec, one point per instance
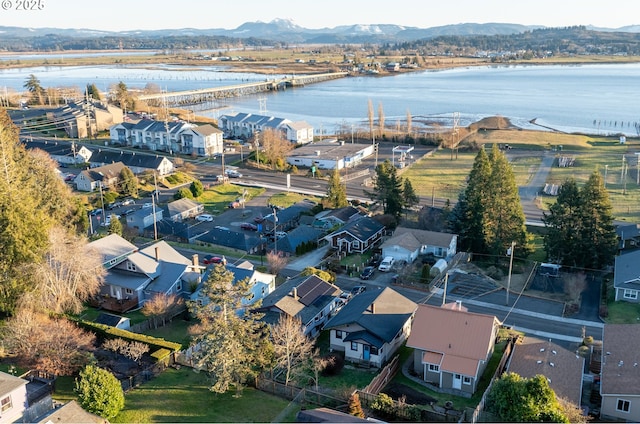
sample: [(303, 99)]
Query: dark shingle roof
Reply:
[(627, 271), (131, 159), (228, 238), (362, 229)]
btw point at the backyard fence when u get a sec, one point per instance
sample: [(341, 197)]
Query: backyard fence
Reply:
[(385, 375), (143, 376)]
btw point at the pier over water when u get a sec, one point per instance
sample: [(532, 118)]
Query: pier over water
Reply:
[(192, 97)]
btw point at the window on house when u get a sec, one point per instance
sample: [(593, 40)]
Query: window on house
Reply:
[(6, 403), (466, 380), (374, 350), (630, 294), (354, 346), (179, 286), (338, 334), (623, 405), (131, 266), (434, 368), (128, 291)]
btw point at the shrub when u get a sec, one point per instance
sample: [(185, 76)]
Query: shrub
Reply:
[(334, 364), (99, 392)]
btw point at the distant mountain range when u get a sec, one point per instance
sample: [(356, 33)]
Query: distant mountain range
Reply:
[(286, 31)]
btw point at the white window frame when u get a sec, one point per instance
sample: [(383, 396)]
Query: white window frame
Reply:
[(466, 380), (433, 368), (339, 334), (356, 346), (6, 403), (623, 403), (630, 294)]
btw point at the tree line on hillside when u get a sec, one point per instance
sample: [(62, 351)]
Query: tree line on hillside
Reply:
[(576, 40)]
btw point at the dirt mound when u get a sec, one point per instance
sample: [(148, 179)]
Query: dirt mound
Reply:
[(412, 396), (492, 123)]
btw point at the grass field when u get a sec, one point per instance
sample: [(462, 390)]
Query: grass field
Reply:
[(443, 174), (183, 396)]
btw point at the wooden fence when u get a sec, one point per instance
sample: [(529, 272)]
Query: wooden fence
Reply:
[(385, 375)]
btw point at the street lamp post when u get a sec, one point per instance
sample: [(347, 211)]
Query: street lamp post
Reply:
[(275, 232)]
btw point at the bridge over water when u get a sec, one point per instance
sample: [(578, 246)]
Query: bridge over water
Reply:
[(191, 97)]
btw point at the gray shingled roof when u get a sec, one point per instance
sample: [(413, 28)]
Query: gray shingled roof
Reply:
[(627, 271)]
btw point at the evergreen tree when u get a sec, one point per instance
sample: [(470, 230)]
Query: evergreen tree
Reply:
[(32, 85), (562, 240), (336, 191), (504, 217), (115, 226), (409, 196), (387, 189), (99, 392), (599, 240), (234, 348), (128, 183), (182, 193), (93, 92), (196, 188), (354, 405)]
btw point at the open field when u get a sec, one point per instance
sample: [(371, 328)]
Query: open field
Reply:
[(443, 174)]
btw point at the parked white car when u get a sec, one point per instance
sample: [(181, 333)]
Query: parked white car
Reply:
[(386, 264), (205, 217)]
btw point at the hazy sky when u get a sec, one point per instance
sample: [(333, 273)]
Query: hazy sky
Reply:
[(158, 14)]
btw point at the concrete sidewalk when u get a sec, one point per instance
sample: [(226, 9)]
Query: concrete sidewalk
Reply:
[(309, 259)]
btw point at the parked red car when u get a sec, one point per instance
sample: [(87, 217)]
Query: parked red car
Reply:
[(210, 259), (249, 226)]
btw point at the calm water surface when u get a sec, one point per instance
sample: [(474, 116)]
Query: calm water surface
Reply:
[(598, 99)]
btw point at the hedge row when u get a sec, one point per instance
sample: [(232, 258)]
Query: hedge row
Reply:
[(113, 332)]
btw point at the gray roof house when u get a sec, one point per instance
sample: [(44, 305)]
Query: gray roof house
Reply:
[(13, 392), (240, 240), (626, 277), (628, 236), (309, 298), (289, 244), (102, 176), (149, 134), (68, 153), (137, 162), (182, 209), (143, 218), (329, 218), (203, 140), (407, 244), (372, 326), (620, 373), (113, 249), (262, 283), (247, 124), (357, 236), (562, 367), (157, 268)]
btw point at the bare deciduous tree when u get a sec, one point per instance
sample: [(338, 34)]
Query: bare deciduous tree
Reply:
[(276, 262), (370, 116), (409, 122), (275, 148), (380, 119), (291, 346), (117, 345), (135, 350), (58, 345), (162, 306), (71, 274)]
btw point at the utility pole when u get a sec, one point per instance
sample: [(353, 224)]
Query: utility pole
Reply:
[(444, 292), (275, 231), (510, 252), (153, 209)]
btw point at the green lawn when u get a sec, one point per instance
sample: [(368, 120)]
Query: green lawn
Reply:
[(183, 396), (620, 312), (217, 198)]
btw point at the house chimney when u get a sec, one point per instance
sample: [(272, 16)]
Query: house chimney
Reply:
[(194, 260), (157, 250), (294, 293), (459, 304)]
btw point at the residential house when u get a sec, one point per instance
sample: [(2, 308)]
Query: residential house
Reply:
[(64, 153), (407, 244), (103, 176), (137, 162), (143, 218), (330, 154), (222, 236), (628, 237), (626, 277), (562, 368), (203, 140), (182, 232), (330, 218), (13, 397), (620, 373), (113, 249), (372, 326), (357, 236), (149, 134), (182, 209), (309, 298), (70, 412), (287, 218), (246, 125), (86, 118), (261, 283), (452, 346), (156, 269), (299, 236)]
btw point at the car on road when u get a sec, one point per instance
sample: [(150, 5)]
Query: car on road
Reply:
[(114, 205), (128, 212), (367, 272), (147, 205), (69, 177), (357, 290), (386, 264), (231, 173), (95, 212), (249, 226), (211, 259), (258, 219), (128, 202), (205, 217)]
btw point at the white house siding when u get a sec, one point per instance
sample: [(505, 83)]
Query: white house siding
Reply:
[(609, 408), (400, 253)]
